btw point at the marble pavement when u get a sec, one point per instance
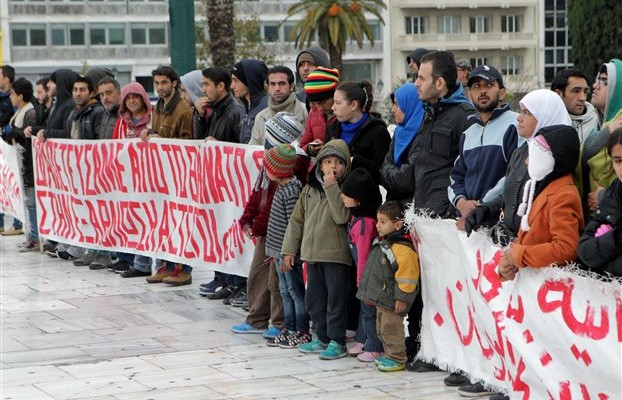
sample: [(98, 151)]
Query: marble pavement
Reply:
[(71, 333)]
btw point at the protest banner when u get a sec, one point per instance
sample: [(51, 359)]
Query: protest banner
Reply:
[(177, 200), (552, 333), (11, 184)]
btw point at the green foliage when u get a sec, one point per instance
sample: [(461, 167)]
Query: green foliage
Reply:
[(595, 30)]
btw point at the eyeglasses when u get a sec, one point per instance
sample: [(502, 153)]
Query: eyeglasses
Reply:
[(602, 81), (523, 112)]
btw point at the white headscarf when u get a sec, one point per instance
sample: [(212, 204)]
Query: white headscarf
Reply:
[(547, 107)]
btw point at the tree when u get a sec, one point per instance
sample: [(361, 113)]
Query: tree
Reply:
[(334, 21), (221, 32), (595, 32), (248, 43)]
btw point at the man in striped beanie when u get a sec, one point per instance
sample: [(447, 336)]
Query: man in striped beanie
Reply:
[(320, 88)]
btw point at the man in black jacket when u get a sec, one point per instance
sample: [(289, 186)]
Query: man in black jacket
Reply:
[(56, 127), (85, 121)]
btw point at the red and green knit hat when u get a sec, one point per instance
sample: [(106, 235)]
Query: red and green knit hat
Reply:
[(280, 161), (321, 84)]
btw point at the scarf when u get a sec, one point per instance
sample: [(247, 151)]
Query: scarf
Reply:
[(407, 100), (17, 120), (349, 129)]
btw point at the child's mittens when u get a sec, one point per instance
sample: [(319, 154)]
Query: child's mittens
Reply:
[(603, 229)]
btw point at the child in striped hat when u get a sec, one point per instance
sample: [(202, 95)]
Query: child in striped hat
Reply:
[(279, 162)]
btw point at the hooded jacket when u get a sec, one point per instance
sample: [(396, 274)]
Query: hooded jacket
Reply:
[(125, 127), (318, 224), (556, 215), (603, 252), (192, 84), (387, 279), (172, 120), (436, 148), (63, 105), (594, 147), (320, 59), (22, 118), (90, 121), (254, 73), (370, 143)]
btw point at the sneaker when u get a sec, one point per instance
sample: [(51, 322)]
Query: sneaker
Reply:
[(356, 349), (282, 337), (178, 278), (101, 261), (333, 351), (421, 366), (160, 274), (51, 253), (64, 255), (223, 293), (134, 273), (390, 365), (368, 356), (240, 300), (245, 327), (207, 288), (456, 379), (119, 267), (314, 346), (12, 231), (29, 246), (295, 340), (85, 260), (271, 332), (50, 247), (234, 294), (474, 390), (378, 360), (499, 396)]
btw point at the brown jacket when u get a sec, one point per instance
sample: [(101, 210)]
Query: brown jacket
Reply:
[(173, 120), (556, 219)]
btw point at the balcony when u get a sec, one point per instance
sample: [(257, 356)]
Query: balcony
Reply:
[(88, 53), (444, 4), (72, 9), (473, 42), (288, 49)]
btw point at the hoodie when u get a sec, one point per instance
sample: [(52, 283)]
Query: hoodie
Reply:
[(594, 149), (63, 106), (318, 225), (125, 127), (253, 74), (320, 59), (192, 84)]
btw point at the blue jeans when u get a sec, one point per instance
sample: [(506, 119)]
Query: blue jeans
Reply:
[(292, 288), (16, 222), (367, 329), (138, 262), (33, 236)]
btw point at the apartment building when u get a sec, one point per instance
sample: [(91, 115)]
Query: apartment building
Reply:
[(501, 33)]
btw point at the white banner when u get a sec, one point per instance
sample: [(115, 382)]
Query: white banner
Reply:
[(11, 184), (177, 200), (552, 333)]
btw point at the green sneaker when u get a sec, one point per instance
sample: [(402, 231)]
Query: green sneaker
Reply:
[(314, 346), (389, 365), (334, 351), (379, 360)]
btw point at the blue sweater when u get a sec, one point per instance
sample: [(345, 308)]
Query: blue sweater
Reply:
[(485, 149)]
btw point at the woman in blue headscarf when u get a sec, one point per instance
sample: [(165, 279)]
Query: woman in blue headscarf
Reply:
[(397, 170)]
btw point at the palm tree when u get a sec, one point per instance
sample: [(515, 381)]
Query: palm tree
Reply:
[(335, 21), (220, 27)]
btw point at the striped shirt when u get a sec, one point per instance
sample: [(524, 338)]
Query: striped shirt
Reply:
[(283, 204)]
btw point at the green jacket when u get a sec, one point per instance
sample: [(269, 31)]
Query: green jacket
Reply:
[(391, 272), (318, 225)]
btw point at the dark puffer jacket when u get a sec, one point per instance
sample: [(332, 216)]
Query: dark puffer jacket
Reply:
[(63, 106)]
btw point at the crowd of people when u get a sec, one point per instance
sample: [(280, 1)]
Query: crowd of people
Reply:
[(545, 179)]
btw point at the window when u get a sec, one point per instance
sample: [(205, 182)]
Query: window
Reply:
[(145, 34), (358, 71), (477, 61), (271, 32), (415, 25), (28, 35), (479, 24), (448, 24), (511, 65), (67, 34), (511, 23), (107, 34), (288, 27), (377, 30)]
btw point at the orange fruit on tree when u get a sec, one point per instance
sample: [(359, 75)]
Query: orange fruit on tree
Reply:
[(355, 7), (334, 10)]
